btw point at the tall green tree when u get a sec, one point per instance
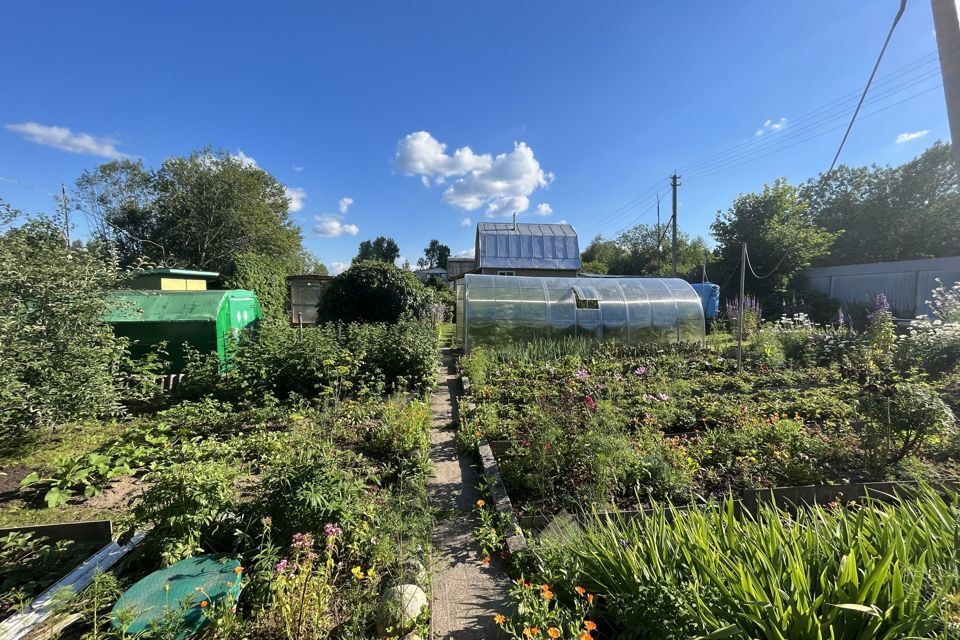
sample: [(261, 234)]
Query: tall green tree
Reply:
[(889, 213), (201, 211), (782, 238), (434, 255), (645, 250), (381, 249)]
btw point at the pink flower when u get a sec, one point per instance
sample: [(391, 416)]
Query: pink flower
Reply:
[(663, 397), (281, 567), (591, 403), (639, 371), (582, 374), (332, 530), (302, 541)]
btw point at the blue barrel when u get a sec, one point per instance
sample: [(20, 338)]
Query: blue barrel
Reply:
[(709, 297)]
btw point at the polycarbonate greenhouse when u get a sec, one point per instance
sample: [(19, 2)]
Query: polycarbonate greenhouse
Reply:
[(496, 309)]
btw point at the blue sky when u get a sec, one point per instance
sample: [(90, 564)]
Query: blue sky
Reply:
[(577, 110)]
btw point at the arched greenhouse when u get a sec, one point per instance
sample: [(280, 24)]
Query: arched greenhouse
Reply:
[(495, 309)]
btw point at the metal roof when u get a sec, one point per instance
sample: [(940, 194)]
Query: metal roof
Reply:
[(527, 246), (180, 272)]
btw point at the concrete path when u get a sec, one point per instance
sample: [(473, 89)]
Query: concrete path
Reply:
[(466, 594)]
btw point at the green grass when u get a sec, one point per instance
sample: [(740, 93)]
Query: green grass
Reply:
[(65, 440), (448, 334)]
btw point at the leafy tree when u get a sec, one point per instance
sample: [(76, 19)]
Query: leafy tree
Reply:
[(645, 250), (889, 213), (381, 249), (201, 211), (781, 238), (594, 267), (59, 359), (434, 255), (373, 291)]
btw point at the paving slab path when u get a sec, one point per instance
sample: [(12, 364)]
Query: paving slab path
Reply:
[(466, 594)]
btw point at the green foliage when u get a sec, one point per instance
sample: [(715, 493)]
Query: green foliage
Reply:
[(888, 213), (267, 277), (29, 564), (403, 355), (434, 255), (373, 291), (184, 509), (58, 359), (876, 571), (200, 211), (933, 347), (84, 474), (380, 250), (779, 232), (646, 250)]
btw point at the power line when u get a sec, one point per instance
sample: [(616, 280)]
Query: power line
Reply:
[(896, 20)]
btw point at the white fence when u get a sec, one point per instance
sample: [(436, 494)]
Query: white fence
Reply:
[(907, 283)]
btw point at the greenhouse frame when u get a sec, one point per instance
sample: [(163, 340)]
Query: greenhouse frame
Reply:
[(495, 309)]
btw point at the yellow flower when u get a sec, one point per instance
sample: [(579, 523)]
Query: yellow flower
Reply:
[(481, 502), (589, 625), (553, 632), (238, 570), (166, 587), (357, 573), (548, 595), (500, 619), (370, 573)]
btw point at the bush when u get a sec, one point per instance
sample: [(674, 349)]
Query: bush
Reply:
[(59, 358), (933, 347), (372, 291), (403, 355)]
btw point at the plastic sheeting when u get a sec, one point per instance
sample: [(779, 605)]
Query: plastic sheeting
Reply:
[(495, 309), (504, 245)]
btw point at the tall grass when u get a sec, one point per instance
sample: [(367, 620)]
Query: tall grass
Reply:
[(873, 571)]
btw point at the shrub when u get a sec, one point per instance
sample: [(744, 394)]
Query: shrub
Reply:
[(752, 315), (933, 347), (59, 359), (372, 291), (945, 302), (403, 355)]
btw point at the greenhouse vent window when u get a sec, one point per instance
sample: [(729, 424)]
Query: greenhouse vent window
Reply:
[(586, 303)]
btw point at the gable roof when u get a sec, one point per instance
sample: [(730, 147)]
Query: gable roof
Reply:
[(527, 246)]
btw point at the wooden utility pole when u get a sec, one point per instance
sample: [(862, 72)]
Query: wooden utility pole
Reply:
[(66, 215), (674, 182), (946, 21)]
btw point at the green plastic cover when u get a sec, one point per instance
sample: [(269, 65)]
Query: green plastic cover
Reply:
[(173, 598)]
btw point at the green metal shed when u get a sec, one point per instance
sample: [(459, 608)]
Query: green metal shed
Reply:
[(202, 319)]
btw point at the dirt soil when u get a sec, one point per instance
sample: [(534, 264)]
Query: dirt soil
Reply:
[(121, 494), (10, 477)]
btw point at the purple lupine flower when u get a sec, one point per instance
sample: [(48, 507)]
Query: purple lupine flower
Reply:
[(332, 530), (880, 305)]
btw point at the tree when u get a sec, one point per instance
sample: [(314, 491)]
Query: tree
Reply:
[(434, 255), (381, 249), (199, 211), (373, 291), (645, 250), (889, 213), (781, 238)]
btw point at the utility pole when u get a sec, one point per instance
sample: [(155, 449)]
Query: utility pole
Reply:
[(66, 215), (674, 182), (946, 21), (743, 278), (659, 235)]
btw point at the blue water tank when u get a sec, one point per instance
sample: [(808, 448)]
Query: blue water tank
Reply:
[(709, 297)]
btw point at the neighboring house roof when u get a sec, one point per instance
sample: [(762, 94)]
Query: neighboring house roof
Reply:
[(527, 246)]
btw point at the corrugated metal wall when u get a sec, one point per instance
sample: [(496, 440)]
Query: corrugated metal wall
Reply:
[(907, 283)]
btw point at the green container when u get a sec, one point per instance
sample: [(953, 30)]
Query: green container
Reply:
[(205, 320)]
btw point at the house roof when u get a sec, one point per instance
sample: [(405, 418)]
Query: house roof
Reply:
[(527, 246)]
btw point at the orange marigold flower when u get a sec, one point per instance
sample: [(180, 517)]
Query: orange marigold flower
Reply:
[(589, 625), (238, 570), (535, 631), (481, 502), (585, 636), (580, 591), (229, 585), (526, 632), (500, 619), (553, 632), (548, 595), (486, 561), (544, 587), (203, 604), (590, 598)]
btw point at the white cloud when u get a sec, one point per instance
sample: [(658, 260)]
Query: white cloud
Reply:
[(345, 204), (907, 137), (544, 209), (331, 226), (465, 222), (771, 126), (501, 183), (467, 253), (336, 268), (401, 261), (297, 168), (296, 196), (244, 159), (66, 140)]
